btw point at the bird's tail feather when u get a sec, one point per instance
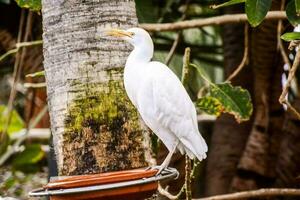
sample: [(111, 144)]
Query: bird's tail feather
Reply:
[(195, 148)]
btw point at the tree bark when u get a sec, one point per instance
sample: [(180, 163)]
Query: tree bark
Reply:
[(95, 128)]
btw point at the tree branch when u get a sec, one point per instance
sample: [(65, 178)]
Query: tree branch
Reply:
[(218, 20), (245, 56), (292, 72), (186, 66), (173, 48), (18, 46), (279, 40), (178, 37), (188, 182), (255, 193)]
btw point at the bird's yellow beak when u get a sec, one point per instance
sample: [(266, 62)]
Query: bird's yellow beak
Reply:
[(119, 33)]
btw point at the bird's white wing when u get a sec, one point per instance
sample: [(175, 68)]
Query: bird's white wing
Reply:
[(173, 108)]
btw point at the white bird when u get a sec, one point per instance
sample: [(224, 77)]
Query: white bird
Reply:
[(160, 98)]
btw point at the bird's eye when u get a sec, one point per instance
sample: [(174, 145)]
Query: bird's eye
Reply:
[(132, 34)]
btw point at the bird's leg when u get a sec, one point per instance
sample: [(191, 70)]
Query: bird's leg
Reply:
[(167, 160)]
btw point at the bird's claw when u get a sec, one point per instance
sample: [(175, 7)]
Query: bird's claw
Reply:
[(160, 169)]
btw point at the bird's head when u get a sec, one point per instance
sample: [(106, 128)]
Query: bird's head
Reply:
[(135, 36)]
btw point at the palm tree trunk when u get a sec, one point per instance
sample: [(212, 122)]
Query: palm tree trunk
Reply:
[(95, 128)]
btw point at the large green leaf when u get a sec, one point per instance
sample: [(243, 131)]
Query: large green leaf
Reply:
[(256, 10), (228, 3), (224, 98), (27, 159), (291, 13), (235, 100), (34, 5), (291, 36), (16, 123)]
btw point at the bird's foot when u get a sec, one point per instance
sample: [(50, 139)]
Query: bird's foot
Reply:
[(160, 169)]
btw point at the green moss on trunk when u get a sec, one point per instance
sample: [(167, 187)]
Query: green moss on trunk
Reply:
[(102, 130)]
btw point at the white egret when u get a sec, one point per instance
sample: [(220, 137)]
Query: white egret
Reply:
[(160, 98)]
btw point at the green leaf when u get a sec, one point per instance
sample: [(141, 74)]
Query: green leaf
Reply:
[(16, 123), (297, 5), (291, 14), (36, 74), (228, 3), (210, 105), (291, 36), (27, 159), (34, 5), (256, 10), (235, 100)]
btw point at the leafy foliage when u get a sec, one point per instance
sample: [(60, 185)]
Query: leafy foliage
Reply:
[(27, 159), (225, 98), (34, 5), (291, 36), (256, 10), (291, 13), (228, 3), (16, 123)]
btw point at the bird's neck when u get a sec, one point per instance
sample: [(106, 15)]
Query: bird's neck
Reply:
[(141, 54)]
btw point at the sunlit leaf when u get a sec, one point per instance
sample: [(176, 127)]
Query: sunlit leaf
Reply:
[(210, 105), (34, 5), (256, 10), (228, 3), (26, 160), (36, 74), (291, 36), (16, 123), (292, 16)]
